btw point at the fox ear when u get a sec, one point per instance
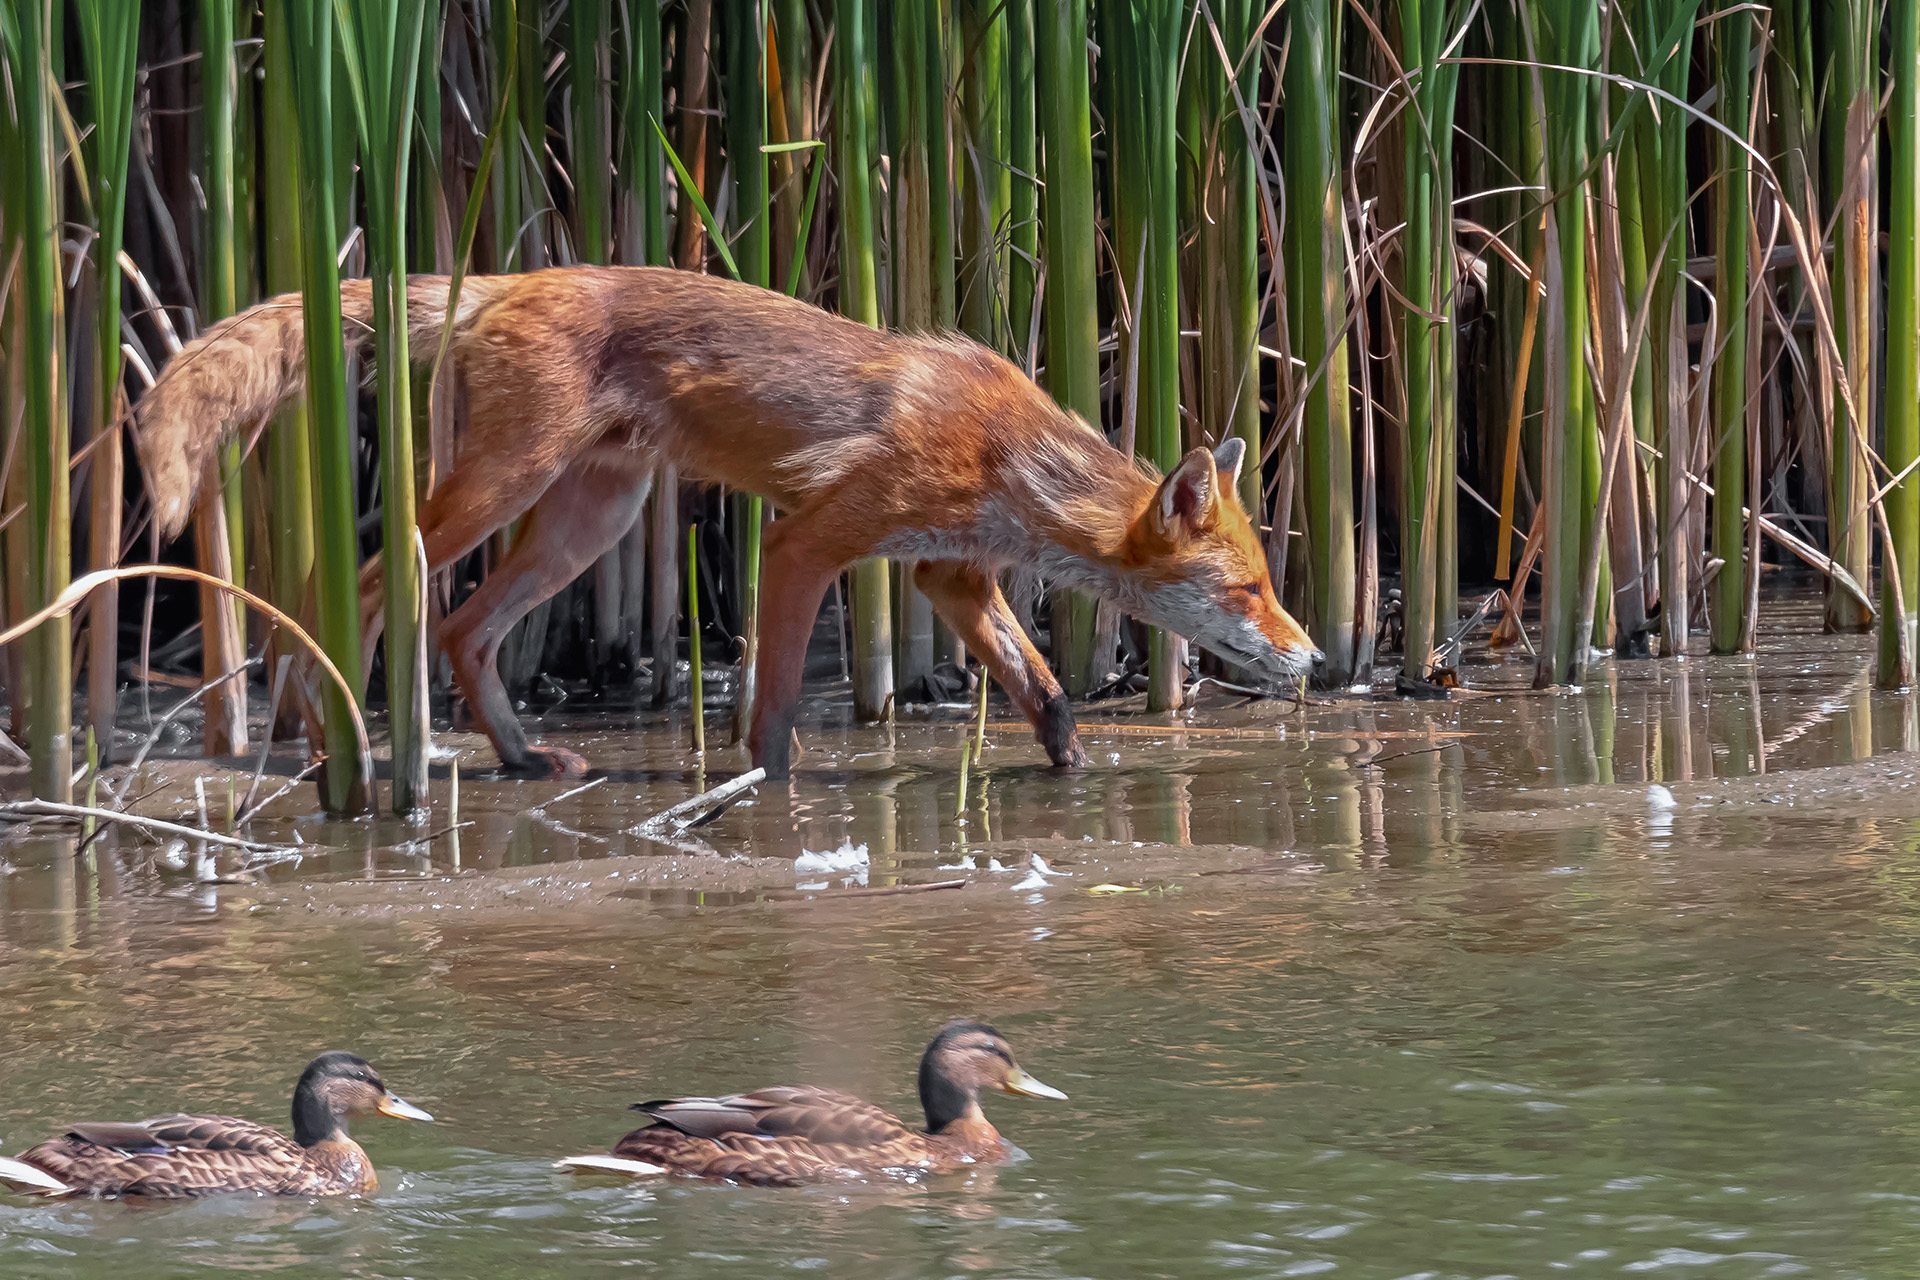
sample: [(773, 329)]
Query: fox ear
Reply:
[(1226, 461), (1188, 493)]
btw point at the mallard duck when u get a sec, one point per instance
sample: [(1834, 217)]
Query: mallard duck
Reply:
[(791, 1134), (171, 1157)]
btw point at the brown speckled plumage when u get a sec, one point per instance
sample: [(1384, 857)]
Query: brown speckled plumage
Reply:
[(183, 1156), (792, 1134)]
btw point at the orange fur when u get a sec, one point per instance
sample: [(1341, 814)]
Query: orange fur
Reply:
[(580, 381)]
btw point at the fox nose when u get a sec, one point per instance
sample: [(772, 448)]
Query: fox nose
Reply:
[(1317, 658)]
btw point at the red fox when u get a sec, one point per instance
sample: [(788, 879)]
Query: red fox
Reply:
[(581, 380)]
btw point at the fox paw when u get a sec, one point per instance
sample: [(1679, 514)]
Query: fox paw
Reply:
[(549, 762)]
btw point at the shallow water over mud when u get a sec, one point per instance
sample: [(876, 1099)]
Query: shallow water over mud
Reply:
[(1388, 1001)]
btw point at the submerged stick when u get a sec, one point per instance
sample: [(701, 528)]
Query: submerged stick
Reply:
[(564, 795), (677, 819), (140, 756), (298, 778), (960, 805), (693, 641), (266, 739), (52, 809), (980, 720), (886, 892)]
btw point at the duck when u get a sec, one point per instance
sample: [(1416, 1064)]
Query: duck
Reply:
[(789, 1135), (182, 1156)]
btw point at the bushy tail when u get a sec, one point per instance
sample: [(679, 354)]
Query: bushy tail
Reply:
[(249, 365)]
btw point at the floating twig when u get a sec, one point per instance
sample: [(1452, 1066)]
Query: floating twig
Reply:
[(290, 784), (266, 738), (140, 756), (960, 804), (52, 809), (564, 795), (676, 819), (693, 640), (888, 892)]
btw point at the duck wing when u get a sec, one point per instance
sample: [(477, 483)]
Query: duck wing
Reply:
[(783, 1136), (801, 1112), (171, 1157)]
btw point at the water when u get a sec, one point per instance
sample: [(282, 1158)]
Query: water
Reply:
[(1430, 1018)]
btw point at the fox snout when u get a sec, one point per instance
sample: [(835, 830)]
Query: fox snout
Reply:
[(1282, 651)]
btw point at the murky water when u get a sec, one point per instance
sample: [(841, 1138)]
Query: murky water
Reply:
[(1401, 1041)]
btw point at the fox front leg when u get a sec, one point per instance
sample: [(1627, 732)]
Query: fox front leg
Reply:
[(970, 602)]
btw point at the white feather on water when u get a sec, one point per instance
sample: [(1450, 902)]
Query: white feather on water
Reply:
[(848, 857), (1037, 875)]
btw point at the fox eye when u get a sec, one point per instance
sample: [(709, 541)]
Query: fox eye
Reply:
[(1252, 588)]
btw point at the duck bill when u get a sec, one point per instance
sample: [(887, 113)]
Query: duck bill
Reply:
[(1018, 1081), (401, 1109)]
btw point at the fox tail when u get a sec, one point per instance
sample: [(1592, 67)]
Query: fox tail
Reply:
[(249, 365)]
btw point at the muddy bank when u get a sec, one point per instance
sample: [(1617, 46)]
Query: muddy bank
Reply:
[(621, 884)]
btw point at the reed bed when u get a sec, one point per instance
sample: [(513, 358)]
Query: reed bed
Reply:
[(1581, 303)]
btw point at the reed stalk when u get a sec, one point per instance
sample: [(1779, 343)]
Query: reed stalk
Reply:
[(644, 240), (1850, 117), (219, 524), (745, 48), (1663, 36), (1313, 249), (694, 63), (109, 36), (1228, 235), (860, 299), (31, 158), (1900, 596), (643, 221), (916, 103), (310, 41), (1023, 196), (1730, 393), (982, 177), (1426, 330), (590, 166), (532, 241), (790, 118), (505, 31), (590, 154), (1063, 97), (696, 677), (380, 46), (1617, 281), (1142, 41), (289, 443), (1565, 33)]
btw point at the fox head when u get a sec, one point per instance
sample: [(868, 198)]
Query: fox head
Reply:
[(1197, 560)]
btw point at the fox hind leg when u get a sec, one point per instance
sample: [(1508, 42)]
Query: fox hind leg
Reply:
[(472, 502), (580, 516), (969, 601)]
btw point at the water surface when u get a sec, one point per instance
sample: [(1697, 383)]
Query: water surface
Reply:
[(1401, 1041)]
